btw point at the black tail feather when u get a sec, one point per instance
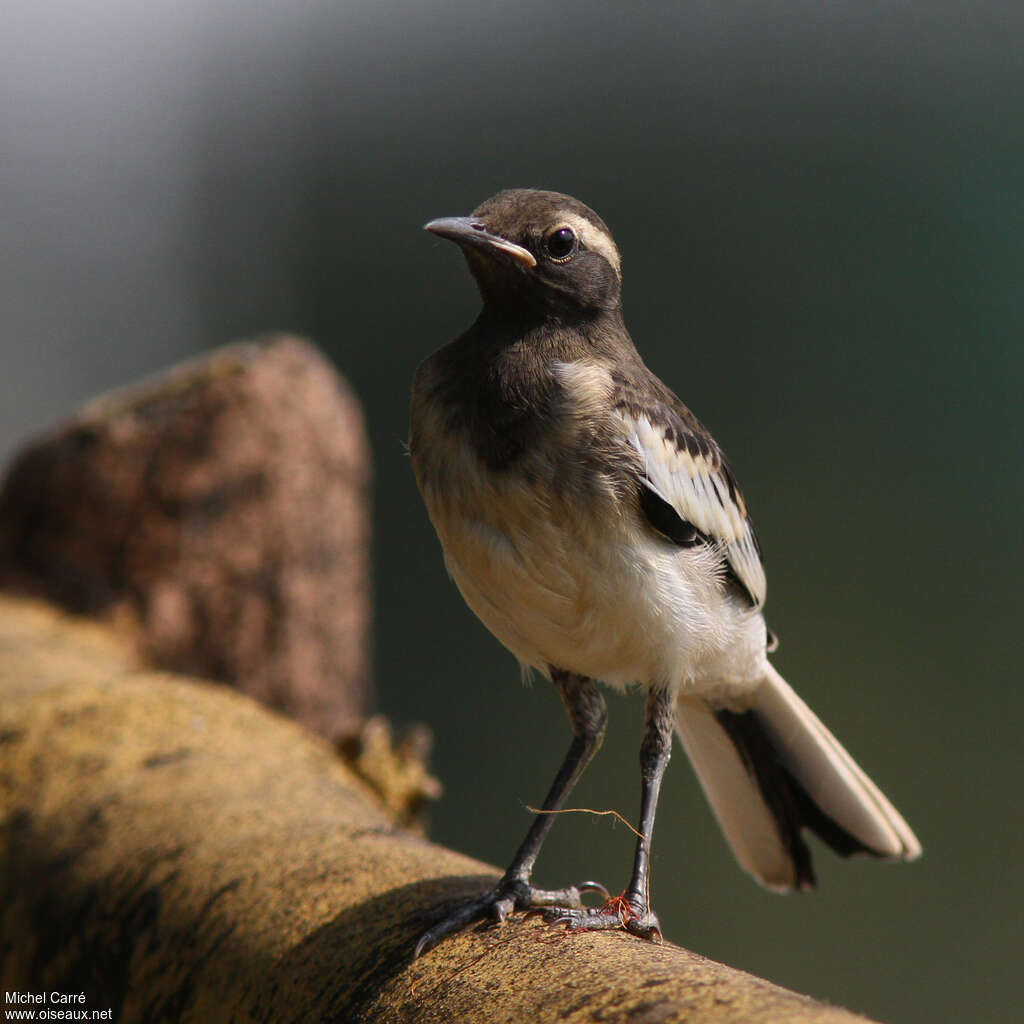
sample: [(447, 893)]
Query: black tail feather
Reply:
[(785, 797)]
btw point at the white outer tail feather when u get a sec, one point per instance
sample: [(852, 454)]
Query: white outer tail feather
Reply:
[(813, 756), (735, 799)]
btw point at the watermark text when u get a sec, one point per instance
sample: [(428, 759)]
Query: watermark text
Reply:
[(51, 1005)]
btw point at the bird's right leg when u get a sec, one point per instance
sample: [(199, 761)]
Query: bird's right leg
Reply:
[(588, 716)]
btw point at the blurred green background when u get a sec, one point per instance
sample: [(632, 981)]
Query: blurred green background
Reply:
[(819, 207)]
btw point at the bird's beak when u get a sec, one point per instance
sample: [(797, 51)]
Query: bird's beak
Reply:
[(467, 231)]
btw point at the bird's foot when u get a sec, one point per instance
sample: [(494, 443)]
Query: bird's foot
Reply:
[(510, 895), (626, 911)]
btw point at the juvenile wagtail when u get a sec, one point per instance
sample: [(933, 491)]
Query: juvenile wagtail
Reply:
[(595, 527)]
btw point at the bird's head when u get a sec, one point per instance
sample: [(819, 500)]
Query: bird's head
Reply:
[(538, 253)]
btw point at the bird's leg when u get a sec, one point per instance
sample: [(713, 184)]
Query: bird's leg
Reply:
[(632, 910), (588, 716)]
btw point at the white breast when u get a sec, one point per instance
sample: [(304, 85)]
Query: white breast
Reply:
[(584, 585)]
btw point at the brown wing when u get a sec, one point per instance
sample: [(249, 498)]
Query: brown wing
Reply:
[(686, 470)]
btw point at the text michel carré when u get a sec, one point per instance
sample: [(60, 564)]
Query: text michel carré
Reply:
[(53, 998)]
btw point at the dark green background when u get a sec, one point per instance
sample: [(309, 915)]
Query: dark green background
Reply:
[(820, 211)]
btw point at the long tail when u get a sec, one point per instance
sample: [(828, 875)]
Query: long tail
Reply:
[(775, 770)]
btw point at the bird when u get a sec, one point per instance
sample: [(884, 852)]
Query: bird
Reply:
[(595, 527)]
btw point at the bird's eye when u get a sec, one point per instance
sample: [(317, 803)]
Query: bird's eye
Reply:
[(560, 245)]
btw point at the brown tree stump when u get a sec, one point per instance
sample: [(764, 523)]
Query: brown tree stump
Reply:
[(176, 853), (218, 514)]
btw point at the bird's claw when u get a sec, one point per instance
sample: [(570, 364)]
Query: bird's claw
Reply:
[(502, 908), (507, 897), (618, 913)]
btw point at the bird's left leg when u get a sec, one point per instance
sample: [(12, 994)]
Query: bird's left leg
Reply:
[(588, 716), (632, 910)]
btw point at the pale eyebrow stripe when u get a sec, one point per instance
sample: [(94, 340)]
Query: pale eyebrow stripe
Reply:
[(594, 239)]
